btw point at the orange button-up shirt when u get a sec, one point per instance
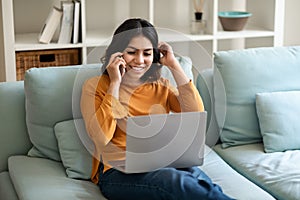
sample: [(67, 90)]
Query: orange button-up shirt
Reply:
[(105, 116)]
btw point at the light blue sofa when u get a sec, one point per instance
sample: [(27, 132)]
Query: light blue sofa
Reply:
[(255, 97), (45, 152)]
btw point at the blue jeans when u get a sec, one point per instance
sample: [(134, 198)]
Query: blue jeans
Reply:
[(166, 183)]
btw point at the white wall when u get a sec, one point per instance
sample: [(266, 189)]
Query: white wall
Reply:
[(292, 24)]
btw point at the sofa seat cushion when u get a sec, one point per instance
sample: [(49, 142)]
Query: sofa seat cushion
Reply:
[(231, 182), (278, 172), (39, 178), (7, 190)]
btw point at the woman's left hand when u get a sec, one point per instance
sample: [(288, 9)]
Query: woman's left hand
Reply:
[(168, 58)]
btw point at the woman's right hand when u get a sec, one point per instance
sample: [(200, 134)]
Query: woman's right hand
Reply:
[(113, 68)]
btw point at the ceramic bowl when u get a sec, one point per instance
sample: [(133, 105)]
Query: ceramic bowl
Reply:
[(233, 20)]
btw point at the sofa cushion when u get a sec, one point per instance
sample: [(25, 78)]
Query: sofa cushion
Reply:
[(7, 190), (13, 133), (39, 178), (278, 173), (239, 75), (75, 148), (279, 120), (204, 85), (52, 95), (231, 182)]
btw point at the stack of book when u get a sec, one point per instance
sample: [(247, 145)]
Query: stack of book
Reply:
[(65, 20)]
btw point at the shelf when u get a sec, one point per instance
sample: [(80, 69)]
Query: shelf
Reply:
[(248, 32), (169, 35), (172, 18), (96, 38), (29, 41), (102, 38), (25, 42)]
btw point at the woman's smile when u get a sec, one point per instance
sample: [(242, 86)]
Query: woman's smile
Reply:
[(137, 68)]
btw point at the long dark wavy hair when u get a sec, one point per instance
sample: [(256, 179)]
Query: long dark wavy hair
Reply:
[(129, 29)]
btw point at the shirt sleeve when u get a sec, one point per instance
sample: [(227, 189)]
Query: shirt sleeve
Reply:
[(186, 99), (100, 111)]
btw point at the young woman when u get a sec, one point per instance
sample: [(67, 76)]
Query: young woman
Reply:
[(131, 85)]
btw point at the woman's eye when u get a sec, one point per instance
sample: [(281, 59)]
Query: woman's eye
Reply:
[(147, 54), (131, 52)]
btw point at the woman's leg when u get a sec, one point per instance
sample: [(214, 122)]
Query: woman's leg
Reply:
[(166, 183)]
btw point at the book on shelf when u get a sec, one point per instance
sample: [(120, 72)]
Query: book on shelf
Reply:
[(76, 22), (51, 25), (66, 26)]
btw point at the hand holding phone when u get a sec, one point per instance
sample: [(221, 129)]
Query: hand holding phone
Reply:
[(116, 67), (122, 70)]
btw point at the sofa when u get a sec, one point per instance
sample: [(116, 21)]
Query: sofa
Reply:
[(255, 95), (46, 153)]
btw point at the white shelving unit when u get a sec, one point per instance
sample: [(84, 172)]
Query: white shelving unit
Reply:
[(22, 21)]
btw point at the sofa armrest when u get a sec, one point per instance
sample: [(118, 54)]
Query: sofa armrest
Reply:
[(13, 132)]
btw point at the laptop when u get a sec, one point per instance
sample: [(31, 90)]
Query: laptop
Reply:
[(163, 140)]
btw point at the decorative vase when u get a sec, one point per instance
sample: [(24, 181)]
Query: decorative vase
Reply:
[(198, 25)]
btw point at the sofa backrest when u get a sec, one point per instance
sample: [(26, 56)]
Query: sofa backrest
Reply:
[(13, 131), (239, 75), (49, 94)]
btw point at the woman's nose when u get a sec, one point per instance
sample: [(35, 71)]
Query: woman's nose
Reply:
[(139, 58)]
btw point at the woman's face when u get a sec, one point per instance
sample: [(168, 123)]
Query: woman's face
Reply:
[(139, 56)]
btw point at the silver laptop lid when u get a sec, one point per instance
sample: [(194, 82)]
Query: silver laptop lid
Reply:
[(164, 140)]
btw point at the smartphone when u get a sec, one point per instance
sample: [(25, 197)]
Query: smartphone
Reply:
[(122, 70)]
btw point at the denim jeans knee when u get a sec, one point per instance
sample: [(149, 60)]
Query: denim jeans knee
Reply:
[(165, 183)]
